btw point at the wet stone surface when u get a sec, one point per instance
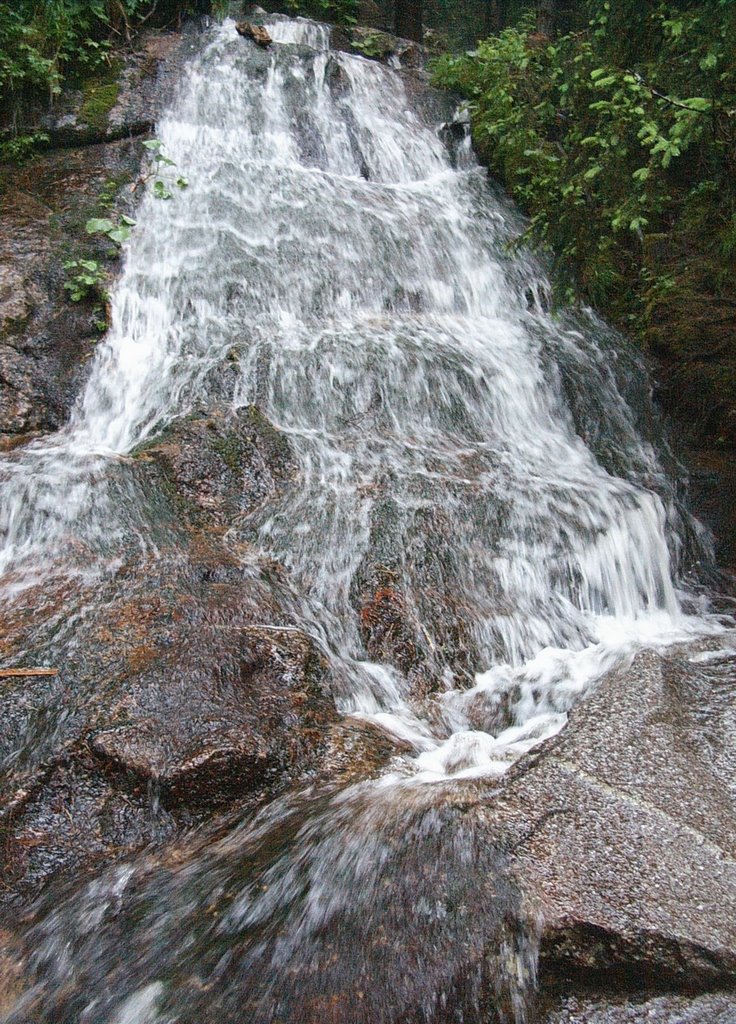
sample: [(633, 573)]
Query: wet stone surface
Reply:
[(45, 338), (625, 826), (188, 826), (719, 1008), (222, 465), (187, 691)]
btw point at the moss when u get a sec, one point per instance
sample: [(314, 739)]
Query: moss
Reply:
[(372, 43), (230, 449), (99, 99)]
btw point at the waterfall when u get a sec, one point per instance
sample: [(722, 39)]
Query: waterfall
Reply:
[(358, 275)]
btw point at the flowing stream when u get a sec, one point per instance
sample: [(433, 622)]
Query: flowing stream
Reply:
[(346, 254)]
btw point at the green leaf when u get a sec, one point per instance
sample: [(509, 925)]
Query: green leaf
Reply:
[(98, 225), (120, 234), (637, 223), (698, 103)]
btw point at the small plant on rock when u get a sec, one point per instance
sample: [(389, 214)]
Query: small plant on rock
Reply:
[(160, 187), (117, 232), (86, 280)]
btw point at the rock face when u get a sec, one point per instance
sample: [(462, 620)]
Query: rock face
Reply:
[(257, 33), (260, 712), (193, 691), (623, 832), (45, 338), (709, 1009), (222, 465), (380, 45)]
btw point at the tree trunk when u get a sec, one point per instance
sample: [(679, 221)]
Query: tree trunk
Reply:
[(497, 16), (546, 18), (409, 19)]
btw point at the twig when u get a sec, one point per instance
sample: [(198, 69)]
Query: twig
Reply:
[(29, 671), (662, 96)]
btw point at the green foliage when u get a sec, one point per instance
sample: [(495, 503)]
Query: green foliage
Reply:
[(44, 43), (160, 187), (86, 279), (341, 12), (117, 232), (40, 40), (610, 135), (373, 43), (16, 149)]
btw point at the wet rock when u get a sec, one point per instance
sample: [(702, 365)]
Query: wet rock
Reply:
[(12, 969), (386, 623), (45, 338), (719, 1008), (403, 912), (229, 709), (359, 750), (257, 33), (379, 45), (407, 615), (712, 493), (71, 817), (187, 689), (121, 102), (223, 465), (715, 1009), (623, 829), (610, 850)]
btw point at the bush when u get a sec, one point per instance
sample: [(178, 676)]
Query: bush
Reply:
[(341, 12), (610, 135), (44, 43)]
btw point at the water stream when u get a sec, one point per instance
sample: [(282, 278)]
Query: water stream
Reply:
[(497, 458)]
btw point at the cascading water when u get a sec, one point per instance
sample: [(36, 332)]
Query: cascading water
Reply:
[(358, 274)]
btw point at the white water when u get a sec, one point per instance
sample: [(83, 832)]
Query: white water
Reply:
[(363, 285)]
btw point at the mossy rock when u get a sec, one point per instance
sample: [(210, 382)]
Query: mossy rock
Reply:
[(688, 326), (99, 99), (220, 467)]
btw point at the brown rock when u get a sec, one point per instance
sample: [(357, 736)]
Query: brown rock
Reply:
[(257, 33), (11, 971)]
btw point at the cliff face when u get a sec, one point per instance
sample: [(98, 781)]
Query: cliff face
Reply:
[(90, 170)]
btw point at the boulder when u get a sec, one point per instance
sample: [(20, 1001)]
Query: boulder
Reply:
[(622, 829), (186, 693), (184, 689), (719, 1008), (257, 33), (231, 709), (222, 465)]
